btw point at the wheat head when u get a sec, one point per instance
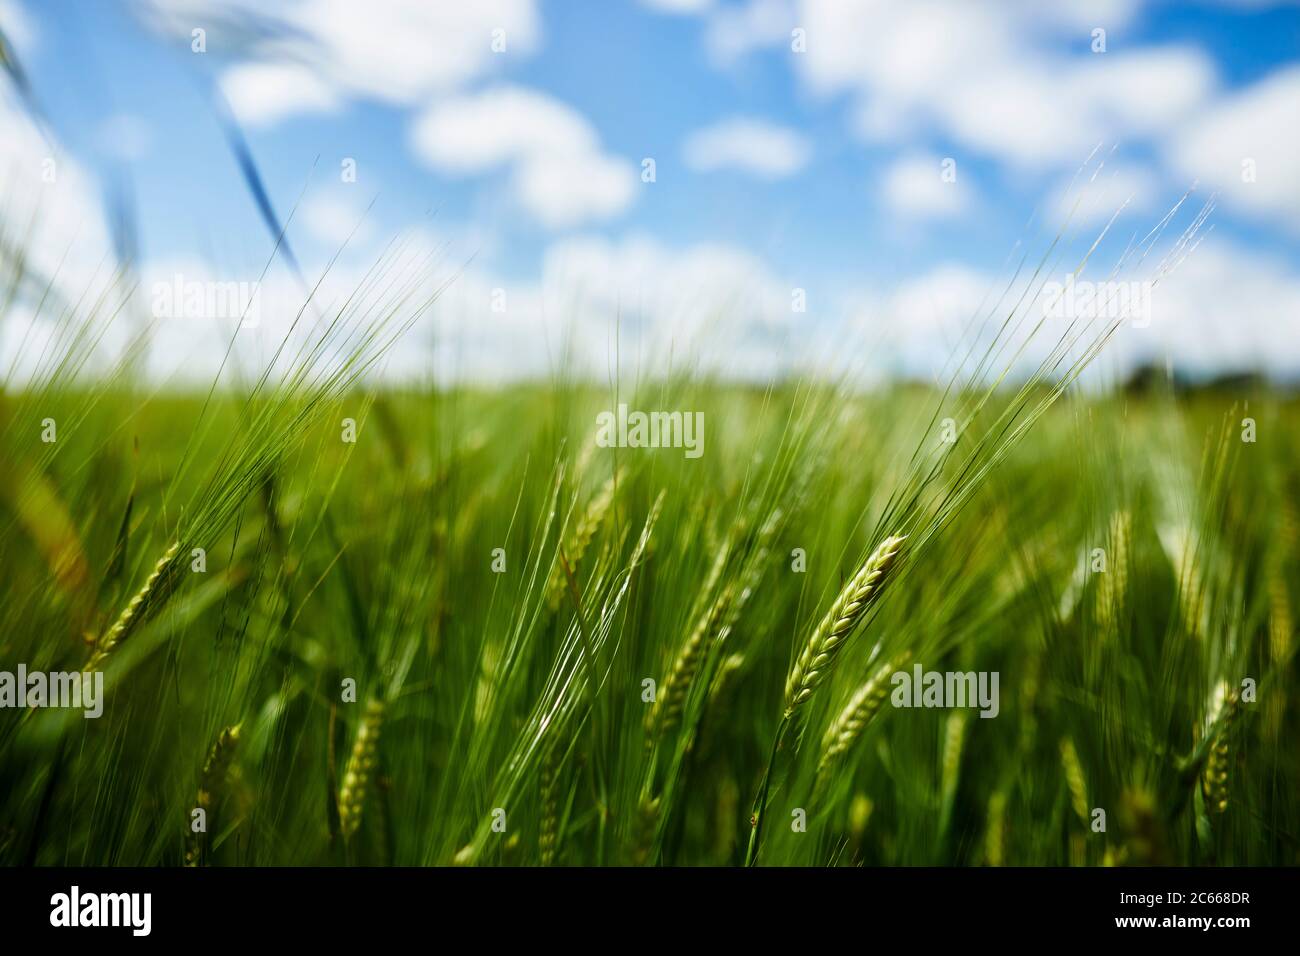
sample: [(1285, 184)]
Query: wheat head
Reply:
[(583, 532), (837, 626), (1074, 779), (549, 832), (361, 764), (212, 781), (153, 590), (860, 710), (671, 699), (1214, 779)]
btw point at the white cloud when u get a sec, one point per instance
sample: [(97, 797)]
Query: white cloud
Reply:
[(415, 53), (730, 311), (262, 94), (735, 30), (709, 303), (687, 291), (18, 27), (1082, 15), (723, 309), (914, 186), (49, 190), (995, 78), (918, 49), (1226, 308), (951, 65), (940, 300), (1145, 91), (998, 80), (125, 136), (392, 51), (678, 7), (561, 174), (565, 189), (334, 221), (498, 126), (1255, 126), (754, 146), (189, 342), (1041, 114), (921, 320), (57, 241), (403, 50), (1095, 199), (1014, 116)]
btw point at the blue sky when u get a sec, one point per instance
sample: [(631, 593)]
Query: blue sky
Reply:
[(817, 168)]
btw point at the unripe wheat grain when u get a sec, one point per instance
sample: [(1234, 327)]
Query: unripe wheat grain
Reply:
[(361, 764), (857, 714), (211, 783), (153, 590), (837, 626)]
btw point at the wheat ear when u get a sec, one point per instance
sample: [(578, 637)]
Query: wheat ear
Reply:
[(671, 699), (1074, 779), (134, 612), (714, 625), (583, 532), (644, 825), (1113, 588), (856, 715), (1214, 780), (549, 832), (361, 764), (1280, 629), (725, 676), (211, 782), (837, 626), (995, 835)]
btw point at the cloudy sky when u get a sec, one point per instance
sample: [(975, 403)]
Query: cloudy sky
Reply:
[(753, 184)]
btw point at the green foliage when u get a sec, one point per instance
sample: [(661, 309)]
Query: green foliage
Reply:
[(374, 562)]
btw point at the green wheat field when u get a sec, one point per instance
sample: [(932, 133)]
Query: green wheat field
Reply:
[(348, 623)]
